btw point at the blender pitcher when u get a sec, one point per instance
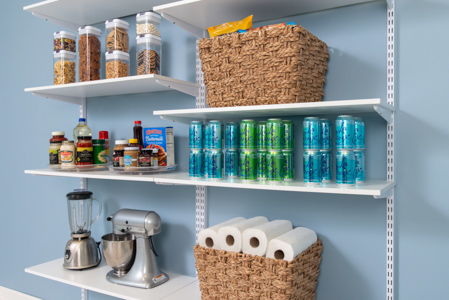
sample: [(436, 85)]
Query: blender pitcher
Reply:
[(79, 204)]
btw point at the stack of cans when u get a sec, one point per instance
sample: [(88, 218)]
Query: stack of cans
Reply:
[(326, 150), (359, 152), (214, 150), (196, 144), (312, 158), (248, 168), (232, 140), (345, 144)]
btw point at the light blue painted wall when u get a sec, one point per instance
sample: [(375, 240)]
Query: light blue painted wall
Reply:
[(33, 215)]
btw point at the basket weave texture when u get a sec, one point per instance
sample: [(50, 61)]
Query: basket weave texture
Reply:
[(236, 276), (274, 66)]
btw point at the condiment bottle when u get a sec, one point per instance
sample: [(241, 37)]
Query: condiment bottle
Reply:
[(118, 153), (134, 143), (54, 153), (84, 151), (81, 130), (104, 135), (155, 158), (58, 136), (68, 155), (145, 158), (131, 157), (138, 133)]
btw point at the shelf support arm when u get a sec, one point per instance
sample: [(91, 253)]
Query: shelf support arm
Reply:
[(59, 22), (68, 99), (199, 33), (192, 91), (384, 113)]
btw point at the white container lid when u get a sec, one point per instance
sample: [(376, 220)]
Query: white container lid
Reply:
[(132, 148), (64, 34), (64, 54), (116, 23), (58, 133), (117, 54), (121, 142), (148, 38), (149, 16), (89, 30)]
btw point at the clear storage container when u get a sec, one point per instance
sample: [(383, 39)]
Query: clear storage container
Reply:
[(64, 67), (117, 64), (89, 51), (117, 35), (64, 40), (148, 23), (148, 54)]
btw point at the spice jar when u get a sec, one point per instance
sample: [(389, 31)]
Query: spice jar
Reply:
[(104, 135), (68, 155), (118, 153), (64, 67), (54, 154), (58, 136), (145, 158), (84, 151), (131, 157), (155, 157), (64, 40), (89, 52), (148, 23), (99, 151), (148, 54), (117, 35), (117, 64)]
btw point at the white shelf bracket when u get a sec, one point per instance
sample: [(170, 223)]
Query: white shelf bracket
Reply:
[(390, 3), (68, 99), (384, 194), (193, 91), (384, 113), (175, 119), (199, 33), (68, 25)]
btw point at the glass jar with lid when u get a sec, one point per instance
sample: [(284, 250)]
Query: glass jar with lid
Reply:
[(117, 64), (68, 155), (148, 23), (117, 35), (118, 153), (89, 52), (148, 54), (64, 67), (64, 40)]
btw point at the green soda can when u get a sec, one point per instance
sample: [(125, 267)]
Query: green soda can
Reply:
[(275, 134), (261, 138), (289, 138), (261, 161), (99, 151), (275, 166), (248, 134), (289, 174), (248, 167)]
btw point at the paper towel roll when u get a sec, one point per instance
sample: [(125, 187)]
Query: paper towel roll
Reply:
[(209, 237), (230, 236), (255, 240), (292, 243)]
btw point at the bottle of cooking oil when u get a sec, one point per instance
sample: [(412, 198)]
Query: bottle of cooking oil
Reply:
[(81, 130)]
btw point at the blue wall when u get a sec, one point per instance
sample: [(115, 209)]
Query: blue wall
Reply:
[(33, 216)]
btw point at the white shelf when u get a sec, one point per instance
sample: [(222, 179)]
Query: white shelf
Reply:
[(109, 175), (75, 92), (277, 110), (95, 280)]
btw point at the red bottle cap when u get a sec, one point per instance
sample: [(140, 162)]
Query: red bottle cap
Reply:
[(137, 122), (103, 135)]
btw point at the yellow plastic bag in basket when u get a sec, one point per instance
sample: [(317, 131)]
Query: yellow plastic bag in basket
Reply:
[(231, 27)]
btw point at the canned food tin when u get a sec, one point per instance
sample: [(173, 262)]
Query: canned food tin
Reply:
[(326, 165), (359, 133), (345, 167), (359, 166), (261, 138), (232, 132), (216, 134), (99, 151), (311, 133), (196, 163), (289, 173), (275, 134), (248, 167), (196, 135), (312, 166), (326, 134), (275, 166), (289, 137), (248, 134), (345, 133), (214, 164), (261, 161), (232, 163)]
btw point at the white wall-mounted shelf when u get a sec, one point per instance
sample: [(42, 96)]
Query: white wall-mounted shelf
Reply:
[(75, 92), (95, 280)]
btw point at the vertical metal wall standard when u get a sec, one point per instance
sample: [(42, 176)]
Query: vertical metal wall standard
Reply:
[(83, 183)]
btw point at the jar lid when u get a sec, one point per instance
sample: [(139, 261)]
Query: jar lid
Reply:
[(89, 30), (57, 133), (103, 135), (149, 16), (148, 38), (133, 141), (79, 195), (64, 34), (121, 142), (116, 23), (117, 54), (146, 151), (64, 54), (84, 138), (68, 142), (132, 148), (97, 141), (155, 150)]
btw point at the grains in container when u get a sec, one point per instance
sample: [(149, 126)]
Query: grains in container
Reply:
[(148, 23), (64, 67), (117, 64)]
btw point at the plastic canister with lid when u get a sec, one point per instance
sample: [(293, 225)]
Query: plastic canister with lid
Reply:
[(117, 35), (131, 157), (117, 64), (148, 23), (64, 67), (64, 40), (149, 51), (89, 52)]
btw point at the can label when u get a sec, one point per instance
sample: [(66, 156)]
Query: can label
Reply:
[(216, 135), (326, 166), (326, 134), (359, 133), (214, 164), (248, 167), (311, 133), (359, 165), (196, 135), (261, 131), (289, 173), (232, 163), (196, 163), (312, 167), (345, 163), (289, 138), (99, 154), (261, 162), (275, 134), (344, 132), (275, 166), (85, 155), (232, 136), (248, 134)]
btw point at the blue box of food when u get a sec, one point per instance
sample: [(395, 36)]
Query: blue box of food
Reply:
[(162, 139)]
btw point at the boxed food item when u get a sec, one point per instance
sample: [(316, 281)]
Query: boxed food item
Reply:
[(162, 139)]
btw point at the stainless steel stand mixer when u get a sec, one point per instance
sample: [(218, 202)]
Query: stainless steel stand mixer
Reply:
[(129, 249)]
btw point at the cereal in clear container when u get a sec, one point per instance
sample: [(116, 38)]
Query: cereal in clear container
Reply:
[(64, 67), (148, 23), (117, 64), (148, 54)]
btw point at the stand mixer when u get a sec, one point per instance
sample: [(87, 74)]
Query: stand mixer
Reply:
[(129, 249)]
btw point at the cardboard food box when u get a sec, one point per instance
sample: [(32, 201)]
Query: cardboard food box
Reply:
[(162, 139)]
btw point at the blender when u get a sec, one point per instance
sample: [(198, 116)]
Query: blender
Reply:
[(81, 252)]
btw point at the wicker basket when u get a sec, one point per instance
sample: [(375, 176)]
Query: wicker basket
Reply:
[(236, 276), (279, 65)]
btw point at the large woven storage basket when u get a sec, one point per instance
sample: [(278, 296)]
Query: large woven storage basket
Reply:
[(237, 276), (274, 66)]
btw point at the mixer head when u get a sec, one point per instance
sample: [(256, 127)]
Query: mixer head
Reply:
[(141, 223)]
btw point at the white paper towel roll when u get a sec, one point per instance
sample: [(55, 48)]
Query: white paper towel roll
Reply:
[(209, 237), (292, 243), (230, 236), (255, 240)]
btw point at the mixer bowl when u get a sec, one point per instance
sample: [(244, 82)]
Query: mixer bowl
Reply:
[(119, 251)]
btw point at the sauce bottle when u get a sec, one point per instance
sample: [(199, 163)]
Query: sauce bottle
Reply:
[(134, 143), (138, 133)]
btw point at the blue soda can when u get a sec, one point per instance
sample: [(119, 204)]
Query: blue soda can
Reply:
[(311, 133), (207, 136), (196, 135), (344, 133), (216, 134), (214, 164), (196, 163), (345, 167), (232, 163), (359, 133), (312, 167), (326, 165), (232, 135), (326, 134), (359, 166)]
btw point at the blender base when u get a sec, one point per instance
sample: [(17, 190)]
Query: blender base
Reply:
[(81, 254)]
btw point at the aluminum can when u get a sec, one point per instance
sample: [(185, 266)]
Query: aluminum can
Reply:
[(326, 134), (311, 133), (261, 138), (206, 166), (232, 163), (344, 133), (359, 166), (312, 166), (289, 137), (248, 134), (248, 166), (261, 161), (214, 164), (345, 170), (216, 134), (275, 134), (207, 136), (232, 135), (196, 163), (359, 133), (196, 135), (289, 173), (275, 166), (326, 165)]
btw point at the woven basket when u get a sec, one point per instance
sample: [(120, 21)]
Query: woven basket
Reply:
[(237, 276), (279, 65)]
